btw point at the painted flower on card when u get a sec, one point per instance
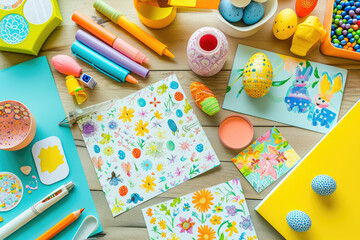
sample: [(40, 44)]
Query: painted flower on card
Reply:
[(173, 237), (149, 212), (251, 237), (215, 220), (162, 224), (113, 125), (206, 233), (202, 200), (185, 146), (155, 102), (160, 134), (186, 207), (146, 165), (135, 198), (178, 172), (267, 161), (231, 228), (143, 114), (89, 128), (158, 115), (163, 235), (100, 118), (126, 115), (148, 184), (161, 89), (218, 208), (141, 128), (153, 220), (186, 225), (292, 157), (159, 167), (231, 210), (108, 151)]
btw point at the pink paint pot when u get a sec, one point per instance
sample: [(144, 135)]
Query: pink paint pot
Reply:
[(236, 131), (17, 125)]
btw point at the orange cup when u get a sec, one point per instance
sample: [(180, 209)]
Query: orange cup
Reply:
[(17, 125)]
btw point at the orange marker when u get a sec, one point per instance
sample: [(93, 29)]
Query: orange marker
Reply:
[(132, 28), (61, 225), (109, 38)]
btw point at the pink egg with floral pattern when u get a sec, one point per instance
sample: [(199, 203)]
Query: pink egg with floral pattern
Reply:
[(17, 125)]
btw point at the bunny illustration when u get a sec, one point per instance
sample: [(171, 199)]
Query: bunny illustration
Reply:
[(297, 98), (320, 112)]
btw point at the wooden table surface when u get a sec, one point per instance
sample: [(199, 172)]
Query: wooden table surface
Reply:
[(131, 225)]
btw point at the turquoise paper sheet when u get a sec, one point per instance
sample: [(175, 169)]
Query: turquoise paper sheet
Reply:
[(32, 83)]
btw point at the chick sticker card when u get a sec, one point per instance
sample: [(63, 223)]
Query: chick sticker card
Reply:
[(266, 159), (217, 212), (302, 93), (50, 160)]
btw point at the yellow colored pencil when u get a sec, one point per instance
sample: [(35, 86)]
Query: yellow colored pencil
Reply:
[(61, 225)]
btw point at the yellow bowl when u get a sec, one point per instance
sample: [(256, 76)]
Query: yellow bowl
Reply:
[(155, 17), (17, 125)]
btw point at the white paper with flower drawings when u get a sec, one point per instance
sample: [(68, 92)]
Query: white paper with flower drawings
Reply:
[(145, 144), (218, 212)]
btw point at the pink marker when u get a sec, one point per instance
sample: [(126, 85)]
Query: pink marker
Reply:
[(68, 66)]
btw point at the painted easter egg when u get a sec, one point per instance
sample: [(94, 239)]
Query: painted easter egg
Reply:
[(323, 185), (170, 145), (285, 24), (123, 190), (240, 3), (179, 96), (253, 13), (172, 126), (179, 113), (96, 149), (141, 102), (174, 85), (204, 98), (298, 220), (136, 153), (257, 76), (199, 148), (121, 154), (230, 12)]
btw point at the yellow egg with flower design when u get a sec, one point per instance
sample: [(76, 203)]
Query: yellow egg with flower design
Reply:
[(257, 76)]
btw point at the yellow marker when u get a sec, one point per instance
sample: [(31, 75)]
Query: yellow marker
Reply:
[(132, 28)]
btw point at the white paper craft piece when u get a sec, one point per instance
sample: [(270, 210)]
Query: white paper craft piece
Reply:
[(218, 212), (145, 144), (50, 160)]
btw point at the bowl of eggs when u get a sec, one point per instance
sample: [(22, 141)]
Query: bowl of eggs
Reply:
[(243, 18)]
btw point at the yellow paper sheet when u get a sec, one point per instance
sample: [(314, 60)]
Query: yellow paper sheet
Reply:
[(209, 4), (335, 216)]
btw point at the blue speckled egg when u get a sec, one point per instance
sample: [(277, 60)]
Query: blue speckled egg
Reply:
[(229, 12), (141, 102), (323, 185), (174, 85), (299, 221), (96, 149), (121, 154), (253, 13)]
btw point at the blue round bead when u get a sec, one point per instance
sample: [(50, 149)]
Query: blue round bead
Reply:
[(298, 220), (341, 37), (352, 40), (343, 42), (323, 185), (349, 35), (357, 46), (348, 8)]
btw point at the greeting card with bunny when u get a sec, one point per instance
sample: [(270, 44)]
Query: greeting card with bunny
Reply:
[(303, 93)]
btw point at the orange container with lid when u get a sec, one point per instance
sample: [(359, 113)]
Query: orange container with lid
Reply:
[(326, 46)]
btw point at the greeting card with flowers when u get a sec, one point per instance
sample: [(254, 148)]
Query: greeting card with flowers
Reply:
[(145, 144), (266, 159), (218, 212)]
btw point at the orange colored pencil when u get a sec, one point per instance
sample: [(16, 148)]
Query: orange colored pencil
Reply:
[(61, 225)]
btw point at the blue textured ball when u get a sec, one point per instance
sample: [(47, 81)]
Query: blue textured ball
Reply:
[(299, 221), (253, 13), (323, 185), (199, 148), (229, 12)]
